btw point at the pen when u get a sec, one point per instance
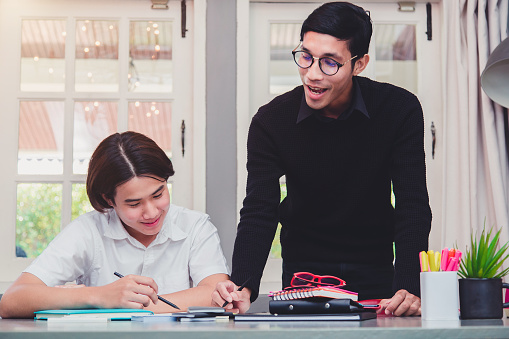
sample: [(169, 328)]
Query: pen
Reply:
[(452, 264), (424, 261), (437, 261), (240, 289), (431, 260), (158, 297), (445, 258)]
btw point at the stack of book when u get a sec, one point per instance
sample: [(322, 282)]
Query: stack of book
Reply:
[(313, 292)]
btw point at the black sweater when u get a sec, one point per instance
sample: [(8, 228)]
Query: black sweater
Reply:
[(338, 175)]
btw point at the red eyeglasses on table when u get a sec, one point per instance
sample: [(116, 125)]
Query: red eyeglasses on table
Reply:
[(301, 279)]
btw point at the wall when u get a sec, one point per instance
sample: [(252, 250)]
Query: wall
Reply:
[(221, 130)]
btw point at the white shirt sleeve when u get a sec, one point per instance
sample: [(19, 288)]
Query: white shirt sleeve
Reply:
[(67, 257), (206, 257)]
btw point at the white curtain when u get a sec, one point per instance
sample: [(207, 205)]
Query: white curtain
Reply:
[(476, 172)]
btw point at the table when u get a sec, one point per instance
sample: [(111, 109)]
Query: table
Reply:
[(383, 327)]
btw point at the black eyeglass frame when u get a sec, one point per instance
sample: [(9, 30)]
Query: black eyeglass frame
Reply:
[(295, 51)]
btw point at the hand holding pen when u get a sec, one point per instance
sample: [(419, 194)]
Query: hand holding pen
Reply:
[(240, 289), (158, 297), (231, 297)]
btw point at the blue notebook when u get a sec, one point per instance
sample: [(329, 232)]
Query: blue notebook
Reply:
[(108, 313)]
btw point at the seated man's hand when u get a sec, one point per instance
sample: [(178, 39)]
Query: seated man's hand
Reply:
[(402, 303), (227, 291)]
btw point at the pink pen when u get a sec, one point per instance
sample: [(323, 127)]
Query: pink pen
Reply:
[(420, 260), (452, 264), (445, 256), (458, 255), (458, 259)]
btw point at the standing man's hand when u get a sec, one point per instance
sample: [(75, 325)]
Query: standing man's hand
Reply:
[(227, 291), (402, 303)]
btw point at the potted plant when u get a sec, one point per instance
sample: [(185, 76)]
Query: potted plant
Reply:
[(480, 289)]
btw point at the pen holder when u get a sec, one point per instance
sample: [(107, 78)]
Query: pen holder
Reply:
[(439, 296)]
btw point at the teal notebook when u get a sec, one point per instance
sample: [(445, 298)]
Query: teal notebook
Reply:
[(108, 313)]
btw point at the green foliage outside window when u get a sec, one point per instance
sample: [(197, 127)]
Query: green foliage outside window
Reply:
[(39, 211), (80, 202), (38, 216)]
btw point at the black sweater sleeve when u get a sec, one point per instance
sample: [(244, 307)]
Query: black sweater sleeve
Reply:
[(259, 215), (412, 217)]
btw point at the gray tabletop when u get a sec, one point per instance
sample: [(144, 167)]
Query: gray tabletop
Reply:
[(383, 327)]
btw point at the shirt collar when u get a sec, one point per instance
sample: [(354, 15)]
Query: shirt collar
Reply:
[(115, 229), (170, 229), (358, 104)]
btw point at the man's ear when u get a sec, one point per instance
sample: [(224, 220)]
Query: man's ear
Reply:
[(111, 203), (360, 64)]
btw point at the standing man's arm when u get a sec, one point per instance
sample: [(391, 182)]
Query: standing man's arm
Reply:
[(258, 218), (412, 215)]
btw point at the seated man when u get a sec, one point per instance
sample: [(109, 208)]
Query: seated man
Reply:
[(161, 248)]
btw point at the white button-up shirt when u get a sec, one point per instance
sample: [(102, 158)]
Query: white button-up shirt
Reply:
[(95, 245)]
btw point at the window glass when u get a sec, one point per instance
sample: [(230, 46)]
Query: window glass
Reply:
[(96, 56), (40, 140), (284, 76), (43, 55), (152, 119), (275, 250), (93, 121), (395, 55), (38, 217), (150, 56), (80, 202)]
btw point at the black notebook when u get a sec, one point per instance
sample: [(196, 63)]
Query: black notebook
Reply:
[(316, 306), (306, 317)]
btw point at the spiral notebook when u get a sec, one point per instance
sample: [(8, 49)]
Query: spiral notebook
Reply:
[(313, 292)]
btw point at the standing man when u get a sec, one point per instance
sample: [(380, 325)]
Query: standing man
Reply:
[(341, 140)]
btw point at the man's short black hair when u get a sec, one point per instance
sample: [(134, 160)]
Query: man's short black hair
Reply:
[(342, 20)]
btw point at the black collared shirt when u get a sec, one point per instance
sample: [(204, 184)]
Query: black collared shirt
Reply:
[(356, 105)]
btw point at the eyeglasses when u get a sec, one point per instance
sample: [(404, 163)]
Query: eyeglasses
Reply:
[(301, 279), (327, 65)]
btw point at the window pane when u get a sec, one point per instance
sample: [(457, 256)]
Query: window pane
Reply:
[(152, 119), (170, 190), (275, 250), (93, 121), (284, 74), (150, 56), (43, 55), (96, 56), (39, 208), (80, 202), (395, 52), (40, 144)]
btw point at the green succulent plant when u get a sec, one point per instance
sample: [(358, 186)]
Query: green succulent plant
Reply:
[(483, 260)]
